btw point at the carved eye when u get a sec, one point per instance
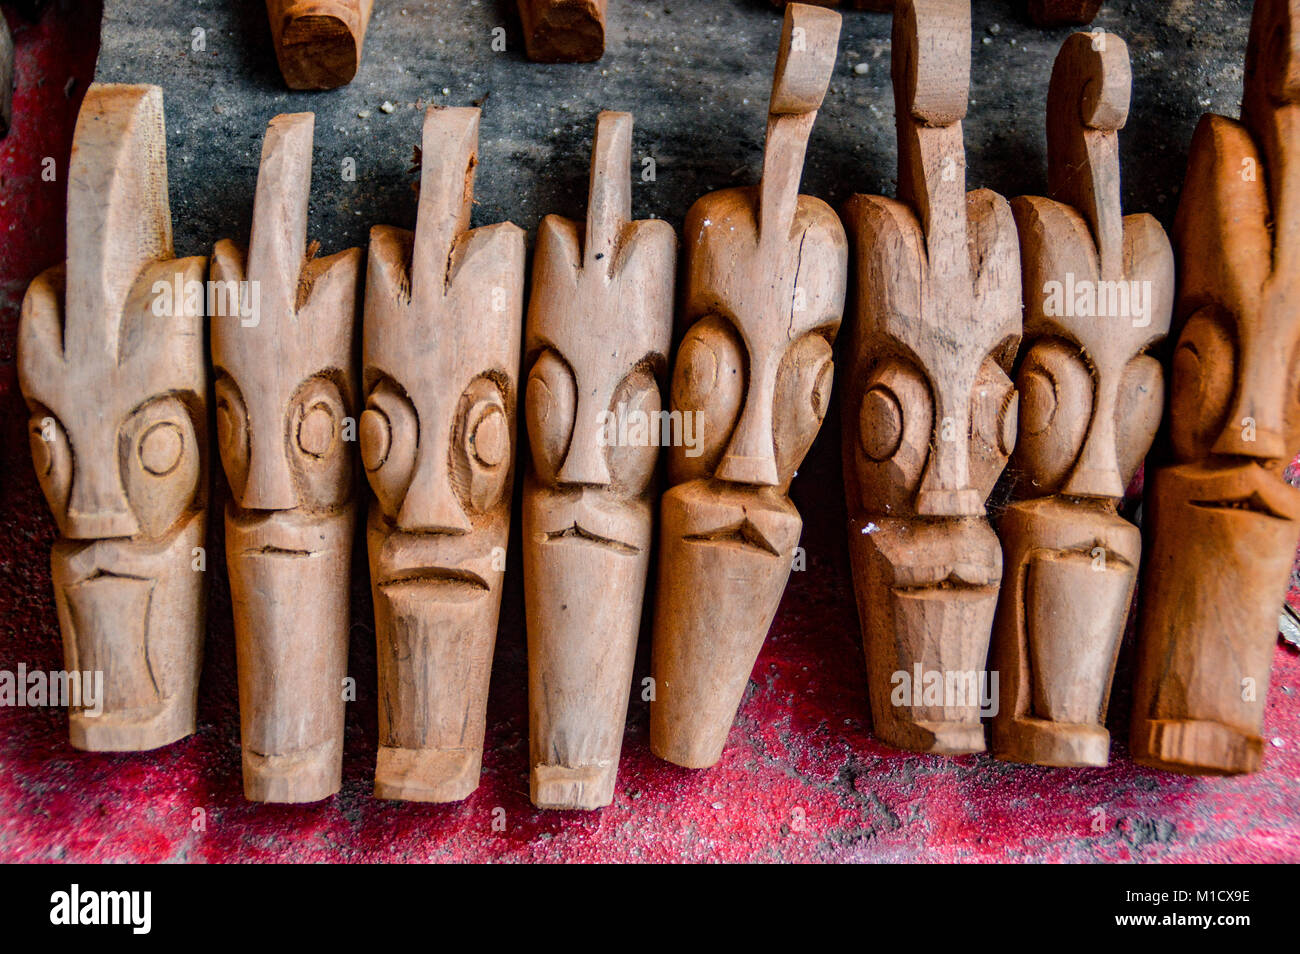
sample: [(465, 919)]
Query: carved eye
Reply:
[(709, 382), (483, 455), (1138, 407), (803, 393), (1056, 401), (995, 408), (52, 456), (389, 432), (160, 463), (894, 423), (550, 405), (1204, 371), (632, 464), (232, 433), (318, 458)]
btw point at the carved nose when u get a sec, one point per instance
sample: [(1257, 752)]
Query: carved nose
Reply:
[(97, 507), (101, 525), (1093, 482), (270, 484), (751, 457), (1250, 439), (950, 503), (585, 461), (431, 507), (748, 470)]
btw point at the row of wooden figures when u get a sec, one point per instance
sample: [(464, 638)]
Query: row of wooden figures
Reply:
[(948, 283), (318, 43)]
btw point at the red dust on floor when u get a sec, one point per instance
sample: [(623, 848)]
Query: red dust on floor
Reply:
[(802, 778)]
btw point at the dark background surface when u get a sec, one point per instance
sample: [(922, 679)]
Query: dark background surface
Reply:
[(802, 778)]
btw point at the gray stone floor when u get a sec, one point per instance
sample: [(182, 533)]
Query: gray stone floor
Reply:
[(696, 74)]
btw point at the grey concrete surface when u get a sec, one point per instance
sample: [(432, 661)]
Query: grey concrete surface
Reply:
[(696, 74)]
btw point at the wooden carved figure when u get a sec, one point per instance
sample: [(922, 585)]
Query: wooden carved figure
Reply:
[(765, 278), (286, 410), (1051, 13), (599, 328), (1222, 522), (110, 360), (443, 316), (1098, 293), (563, 31), (318, 43), (930, 412)]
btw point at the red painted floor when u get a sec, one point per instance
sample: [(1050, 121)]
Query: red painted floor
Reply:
[(802, 778)]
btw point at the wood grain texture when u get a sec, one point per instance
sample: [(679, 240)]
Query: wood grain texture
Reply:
[(564, 31), (765, 277), (441, 351), (286, 395), (1098, 295), (930, 412), (112, 366), (1221, 521), (318, 43), (1054, 13), (598, 335)]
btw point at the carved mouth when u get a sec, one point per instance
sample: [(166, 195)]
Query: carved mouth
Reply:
[(576, 531), (952, 583), (743, 535), (440, 582), (270, 550), (1252, 502)]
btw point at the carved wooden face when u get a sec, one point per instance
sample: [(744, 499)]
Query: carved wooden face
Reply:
[(111, 362), (284, 398), (116, 434), (754, 369), (931, 415), (437, 432), (1091, 394), (439, 460), (1238, 355), (588, 379)]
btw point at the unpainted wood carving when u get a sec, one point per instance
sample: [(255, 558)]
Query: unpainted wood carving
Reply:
[(318, 43), (1098, 294), (929, 412), (764, 294), (1051, 13), (286, 414), (1222, 522), (563, 31), (599, 329), (441, 350), (110, 360)]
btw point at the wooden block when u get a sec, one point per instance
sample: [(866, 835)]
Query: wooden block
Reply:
[(765, 283), (599, 329), (930, 412), (110, 360), (441, 351), (286, 393), (564, 31), (1053, 13), (1221, 522), (1098, 295), (318, 43)]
